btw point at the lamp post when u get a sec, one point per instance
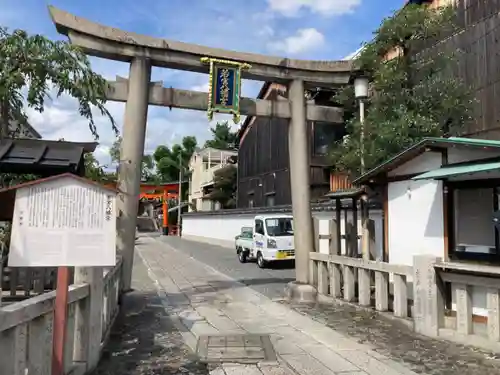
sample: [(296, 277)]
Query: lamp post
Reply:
[(361, 94)]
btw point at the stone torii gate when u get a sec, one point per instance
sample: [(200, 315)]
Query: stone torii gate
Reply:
[(143, 52)]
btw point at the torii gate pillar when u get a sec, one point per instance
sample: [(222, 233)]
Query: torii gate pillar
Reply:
[(131, 153), (300, 290)]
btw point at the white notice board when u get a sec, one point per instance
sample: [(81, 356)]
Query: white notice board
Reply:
[(63, 222)]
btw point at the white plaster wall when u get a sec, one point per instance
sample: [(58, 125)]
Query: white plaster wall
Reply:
[(215, 229), (221, 229), (422, 163), (415, 220)]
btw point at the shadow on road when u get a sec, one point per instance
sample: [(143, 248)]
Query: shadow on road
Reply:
[(218, 285), (281, 265)]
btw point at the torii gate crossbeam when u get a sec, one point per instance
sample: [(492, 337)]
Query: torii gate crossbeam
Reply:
[(143, 52)]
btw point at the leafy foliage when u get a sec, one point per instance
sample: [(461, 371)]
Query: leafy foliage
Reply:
[(147, 166), (415, 93), (223, 137), (37, 64), (95, 171), (225, 185), (167, 159), (12, 179)]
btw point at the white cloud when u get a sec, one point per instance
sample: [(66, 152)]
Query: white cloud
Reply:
[(203, 87), (292, 8), (304, 40)]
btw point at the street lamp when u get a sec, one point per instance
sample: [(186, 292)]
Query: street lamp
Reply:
[(361, 94)]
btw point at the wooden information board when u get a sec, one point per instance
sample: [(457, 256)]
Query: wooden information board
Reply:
[(63, 222)]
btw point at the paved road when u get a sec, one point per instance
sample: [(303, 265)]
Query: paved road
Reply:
[(270, 282)]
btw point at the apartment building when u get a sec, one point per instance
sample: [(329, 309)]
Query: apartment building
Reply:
[(202, 166)]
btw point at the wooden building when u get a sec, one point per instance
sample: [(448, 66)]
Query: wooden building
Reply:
[(263, 159), (477, 47)]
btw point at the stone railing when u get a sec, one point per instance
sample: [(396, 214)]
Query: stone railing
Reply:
[(464, 303), (379, 285), (454, 301), (26, 326)]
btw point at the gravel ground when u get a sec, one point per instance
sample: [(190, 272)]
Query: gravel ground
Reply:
[(396, 341), (143, 340)]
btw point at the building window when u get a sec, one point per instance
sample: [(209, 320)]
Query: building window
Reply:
[(270, 200), (325, 134), (474, 227)]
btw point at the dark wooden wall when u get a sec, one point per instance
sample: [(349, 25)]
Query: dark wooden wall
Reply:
[(263, 163), (477, 48), (263, 160)]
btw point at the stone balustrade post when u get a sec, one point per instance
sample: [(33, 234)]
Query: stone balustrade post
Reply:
[(88, 319), (428, 301)]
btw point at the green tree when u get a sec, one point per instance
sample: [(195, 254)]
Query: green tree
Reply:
[(38, 65), (414, 95), (95, 171), (168, 160), (147, 167), (225, 185), (222, 137)]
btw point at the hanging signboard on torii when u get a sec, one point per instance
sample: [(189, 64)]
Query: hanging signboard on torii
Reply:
[(224, 87)]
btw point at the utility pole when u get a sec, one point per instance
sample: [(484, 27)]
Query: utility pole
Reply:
[(180, 197)]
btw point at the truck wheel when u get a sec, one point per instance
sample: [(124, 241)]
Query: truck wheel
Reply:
[(261, 262), (242, 256)]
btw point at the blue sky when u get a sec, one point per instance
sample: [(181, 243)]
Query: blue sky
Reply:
[(308, 29)]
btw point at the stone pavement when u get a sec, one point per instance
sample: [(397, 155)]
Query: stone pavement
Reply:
[(202, 301), (143, 340)]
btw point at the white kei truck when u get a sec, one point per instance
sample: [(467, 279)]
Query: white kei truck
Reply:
[(269, 239)]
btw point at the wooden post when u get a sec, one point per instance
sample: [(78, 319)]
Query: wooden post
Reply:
[(338, 219), (365, 235), (88, 317), (334, 247), (355, 227), (60, 310), (350, 240)]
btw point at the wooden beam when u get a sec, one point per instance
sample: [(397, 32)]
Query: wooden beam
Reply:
[(187, 99)]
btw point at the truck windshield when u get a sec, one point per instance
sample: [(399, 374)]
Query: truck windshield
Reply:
[(277, 227)]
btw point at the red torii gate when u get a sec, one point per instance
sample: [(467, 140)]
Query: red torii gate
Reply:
[(163, 192)]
